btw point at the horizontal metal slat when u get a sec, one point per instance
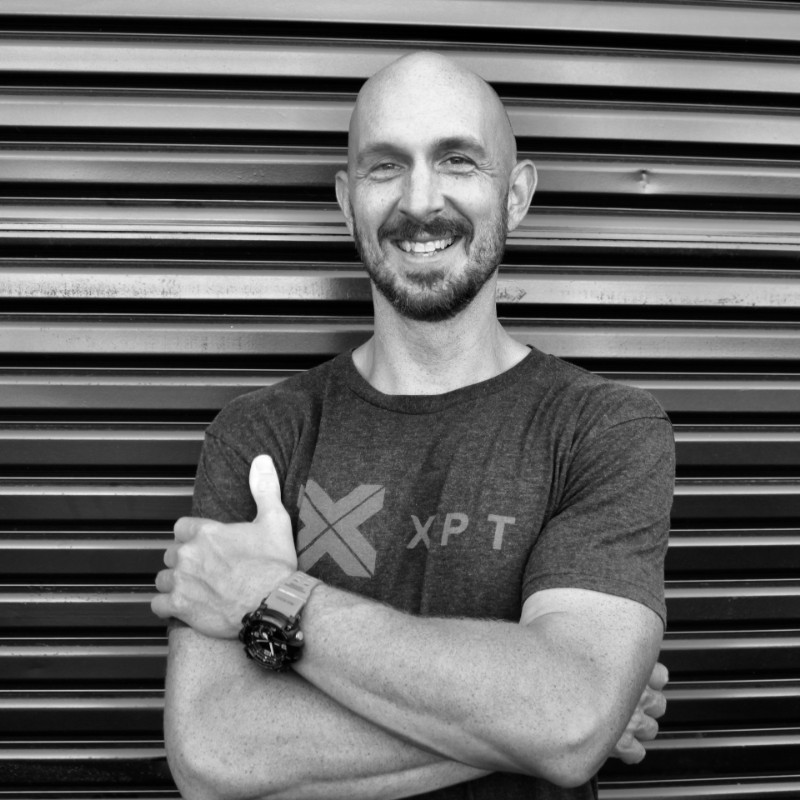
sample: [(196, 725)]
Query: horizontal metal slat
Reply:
[(168, 390), (171, 390), (734, 499), (73, 499), (178, 444), (518, 285), (121, 498), (208, 336), (711, 552), (101, 445), (539, 65), (91, 767), (77, 609), (184, 223), (748, 653), (224, 111), (721, 393), (95, 662), (728, 445), (741, 787), (183, 165), (57, 555), (714, 754), (82, 712), (754, 20), (717, 703), (752, 603)]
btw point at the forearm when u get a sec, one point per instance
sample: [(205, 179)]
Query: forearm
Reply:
[(234, 731), (496, 695)]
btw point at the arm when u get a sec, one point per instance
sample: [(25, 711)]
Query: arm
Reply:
[(548, 698), (233, 731), (487, 729)]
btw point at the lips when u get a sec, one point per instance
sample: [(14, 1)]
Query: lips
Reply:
[(428, 238)]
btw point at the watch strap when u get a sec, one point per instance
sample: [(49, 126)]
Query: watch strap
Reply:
[(290, 595)]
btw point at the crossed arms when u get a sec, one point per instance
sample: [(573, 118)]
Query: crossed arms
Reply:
[(384, 704)]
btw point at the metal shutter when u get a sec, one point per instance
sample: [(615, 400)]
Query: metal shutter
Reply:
[(170, 240)]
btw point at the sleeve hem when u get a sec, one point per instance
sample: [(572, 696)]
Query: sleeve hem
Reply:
[(580, 580)]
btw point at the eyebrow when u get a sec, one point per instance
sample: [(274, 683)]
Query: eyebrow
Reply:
[(380, 149)]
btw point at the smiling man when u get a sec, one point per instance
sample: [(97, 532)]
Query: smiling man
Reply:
[(442, 551)]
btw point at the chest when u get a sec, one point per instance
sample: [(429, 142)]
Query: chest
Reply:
[(432, 514)]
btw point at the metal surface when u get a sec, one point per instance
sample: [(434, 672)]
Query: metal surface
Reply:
[(317, 281), (291, 166), (749, 20), (540, 65), (170, 242), (225, 111)]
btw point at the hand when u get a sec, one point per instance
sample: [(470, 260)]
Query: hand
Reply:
[(217, 572), (642, 726)]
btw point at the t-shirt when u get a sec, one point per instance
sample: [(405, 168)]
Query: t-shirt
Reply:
[(463, 503)]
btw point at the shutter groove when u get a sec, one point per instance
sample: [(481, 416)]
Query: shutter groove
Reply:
[(170, 240)]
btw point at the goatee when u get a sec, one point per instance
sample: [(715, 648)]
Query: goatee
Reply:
[(431, 294)]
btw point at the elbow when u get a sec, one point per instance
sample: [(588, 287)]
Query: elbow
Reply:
[(191, 769), (569, 755)]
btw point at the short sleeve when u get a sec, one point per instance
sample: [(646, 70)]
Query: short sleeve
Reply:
[(610, 527), (221, 487)]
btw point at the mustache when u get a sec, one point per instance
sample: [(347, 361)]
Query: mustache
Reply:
[(437, 228)]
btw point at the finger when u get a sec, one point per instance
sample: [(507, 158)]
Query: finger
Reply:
[(186, 528), (264, 485), (161, 606), (171, 556), (658, 677), (165, 580), (653, 703), (629, 750), (646, 730)]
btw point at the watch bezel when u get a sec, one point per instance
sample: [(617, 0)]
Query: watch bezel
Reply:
[(271, 639)]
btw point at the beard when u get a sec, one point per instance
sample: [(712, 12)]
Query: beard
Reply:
[(431, 295)]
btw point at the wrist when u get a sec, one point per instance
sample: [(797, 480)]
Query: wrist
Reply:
[(271, 633)]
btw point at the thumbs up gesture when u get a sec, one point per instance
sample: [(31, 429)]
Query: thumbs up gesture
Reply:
[(218, 572)]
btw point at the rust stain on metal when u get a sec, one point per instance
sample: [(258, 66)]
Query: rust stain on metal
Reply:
[(508, 293)]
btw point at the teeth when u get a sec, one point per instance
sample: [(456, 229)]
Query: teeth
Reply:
[(425, 247)]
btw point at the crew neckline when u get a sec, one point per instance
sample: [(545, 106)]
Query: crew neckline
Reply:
[(431, 403)]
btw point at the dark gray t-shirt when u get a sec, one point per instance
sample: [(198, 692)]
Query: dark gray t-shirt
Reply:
[(463, 503)]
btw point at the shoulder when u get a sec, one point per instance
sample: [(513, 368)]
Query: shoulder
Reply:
[(282, 409), (595, 400)]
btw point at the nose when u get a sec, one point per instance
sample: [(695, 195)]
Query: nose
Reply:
[(422, 194)]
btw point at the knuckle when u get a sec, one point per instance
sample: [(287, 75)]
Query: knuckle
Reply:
[(207, 528)]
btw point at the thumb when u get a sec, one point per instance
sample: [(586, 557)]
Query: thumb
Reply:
[(264, 485)]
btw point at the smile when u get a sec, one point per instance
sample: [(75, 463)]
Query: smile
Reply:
[(425, 248)]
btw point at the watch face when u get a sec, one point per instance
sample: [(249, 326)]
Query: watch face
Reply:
[(273, 643)]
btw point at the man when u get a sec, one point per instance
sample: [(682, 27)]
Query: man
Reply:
[(487, 522)]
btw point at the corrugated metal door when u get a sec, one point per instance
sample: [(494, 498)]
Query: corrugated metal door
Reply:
[(170, 239)]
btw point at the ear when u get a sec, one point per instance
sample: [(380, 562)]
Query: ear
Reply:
[(522, 185), (343, 198)]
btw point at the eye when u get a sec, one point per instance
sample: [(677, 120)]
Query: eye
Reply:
[(384, 169), (457, 163)]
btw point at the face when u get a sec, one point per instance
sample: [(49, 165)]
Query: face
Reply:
[(426, 193)]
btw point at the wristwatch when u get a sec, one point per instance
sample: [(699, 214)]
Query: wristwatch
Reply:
[(271, 634)]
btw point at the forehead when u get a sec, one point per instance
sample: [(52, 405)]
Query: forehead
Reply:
[(417, 111)]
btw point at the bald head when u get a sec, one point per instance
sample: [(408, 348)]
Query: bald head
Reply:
[(432, 90)]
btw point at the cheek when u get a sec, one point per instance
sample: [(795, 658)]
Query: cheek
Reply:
[(372, 204)]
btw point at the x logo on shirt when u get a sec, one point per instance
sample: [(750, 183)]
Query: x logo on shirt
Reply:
[(332, 527)]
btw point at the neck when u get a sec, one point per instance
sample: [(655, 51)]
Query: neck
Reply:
[(408, 357)]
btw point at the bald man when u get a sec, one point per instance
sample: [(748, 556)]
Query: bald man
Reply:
[(442, 551)]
